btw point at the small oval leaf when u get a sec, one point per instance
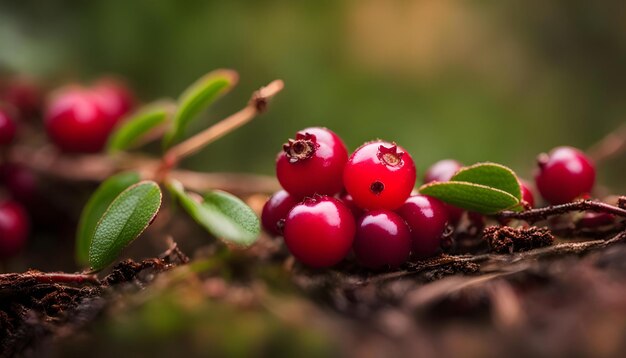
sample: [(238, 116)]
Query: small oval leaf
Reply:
[(139, 125), (472, 197), (95, 208), (492, 175), (196, 98), (126, 218), (222, 214)]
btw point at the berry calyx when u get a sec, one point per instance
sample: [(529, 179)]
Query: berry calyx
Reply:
[(379, 175), (312, 163), (319, 231), (382, 239), (427, 218), (564, 174), (76, 123), (14, 228), (275, 212), (7, 127)]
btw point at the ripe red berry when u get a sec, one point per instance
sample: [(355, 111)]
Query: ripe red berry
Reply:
[(114, 98), (319, 231), (527, 194), (564, 174), (20, 182), (382, 239), (76, 123), (275, 212), (312, 163), (594, 220), (442, 170), (14, 228), (427, 218), (7, 127), (379, 175), (24, 94)]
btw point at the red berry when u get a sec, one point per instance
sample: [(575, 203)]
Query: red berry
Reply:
[(75, 123), (442, 170), (594, 220), (114, 98), (564, 174), (379, 175), (275, 212), (319, 231), (24, 94), (312, 163), (382, 239), (527, 194), (14, 228), (7, 127), (427, 218), (20, 182), (349, 202)]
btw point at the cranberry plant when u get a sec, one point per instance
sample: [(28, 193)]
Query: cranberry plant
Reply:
[(125, 204)]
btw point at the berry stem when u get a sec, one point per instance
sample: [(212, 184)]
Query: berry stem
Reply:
[(57, 277), (256, 105), (535, 215)]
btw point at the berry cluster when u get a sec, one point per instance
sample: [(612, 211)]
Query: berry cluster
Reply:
[(333, 203), (77, 119)]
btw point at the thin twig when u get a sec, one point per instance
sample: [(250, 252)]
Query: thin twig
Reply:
[(535, 215), (51, 277), (96, 168), (256, 105), (611, 145)]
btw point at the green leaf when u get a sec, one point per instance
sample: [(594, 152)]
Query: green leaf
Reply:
[(126, 218), (492, 175), (472, 197), (197, 98), (95, 208), (139, 125), (222, 214)]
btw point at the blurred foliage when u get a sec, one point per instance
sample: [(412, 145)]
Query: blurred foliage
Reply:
[(476, 81)]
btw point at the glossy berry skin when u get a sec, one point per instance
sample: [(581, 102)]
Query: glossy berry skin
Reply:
[(442, 170), (114, 98), (275, 212), (382, 239), (7, 127), (527, 194), (427, 218), (312, 163), (14, 228), (379, 175), (564, 174), (319, 231), (76, 123)]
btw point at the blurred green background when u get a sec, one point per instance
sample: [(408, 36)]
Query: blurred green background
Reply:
[(489, 80)]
